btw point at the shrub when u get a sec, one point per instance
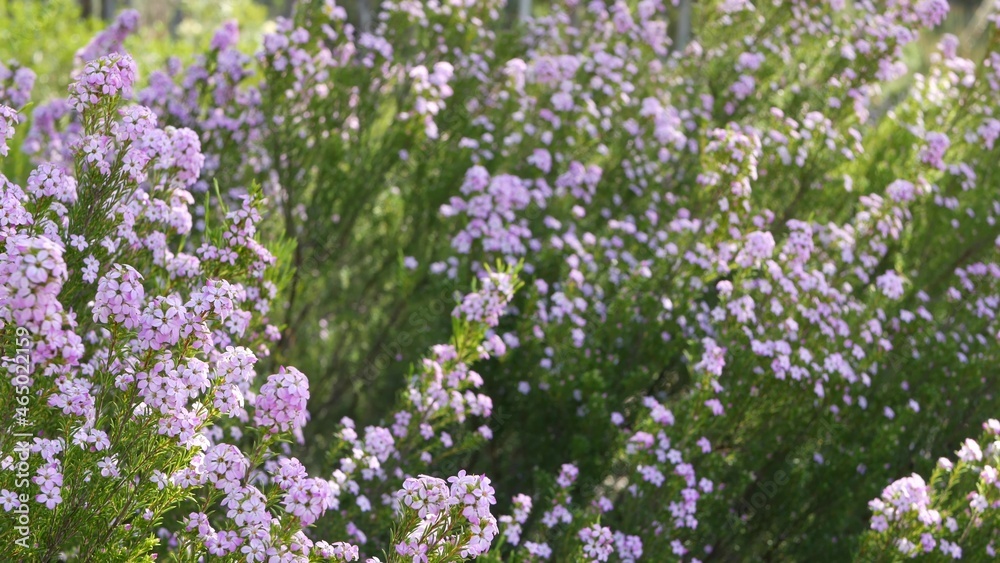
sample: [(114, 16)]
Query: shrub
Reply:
[(734, 288)]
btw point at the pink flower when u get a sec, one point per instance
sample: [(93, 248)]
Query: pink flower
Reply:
[(281, 404), (119, 297)]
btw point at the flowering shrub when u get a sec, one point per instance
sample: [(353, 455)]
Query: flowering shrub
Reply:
[(954, 514), (721, 292), (132, 364), (125, 354)]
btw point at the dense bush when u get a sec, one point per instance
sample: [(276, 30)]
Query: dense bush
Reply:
[(558, 291), (947, 517)]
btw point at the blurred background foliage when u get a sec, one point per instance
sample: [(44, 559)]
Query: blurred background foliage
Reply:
[(47, 32)]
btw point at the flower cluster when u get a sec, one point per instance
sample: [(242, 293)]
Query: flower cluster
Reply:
[(281, 403), (16, 84), (953, 515), (431, 89), (439, 517), (104, 78)]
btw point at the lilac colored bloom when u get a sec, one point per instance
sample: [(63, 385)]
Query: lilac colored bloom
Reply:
[(281, 404), (119, 297), (106, 77)]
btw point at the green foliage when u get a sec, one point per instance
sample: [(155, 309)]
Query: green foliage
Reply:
[(44, 36)]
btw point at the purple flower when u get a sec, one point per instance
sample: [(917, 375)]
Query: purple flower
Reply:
[(281, 404), (106, 77), (119, 297), (8, 118)]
